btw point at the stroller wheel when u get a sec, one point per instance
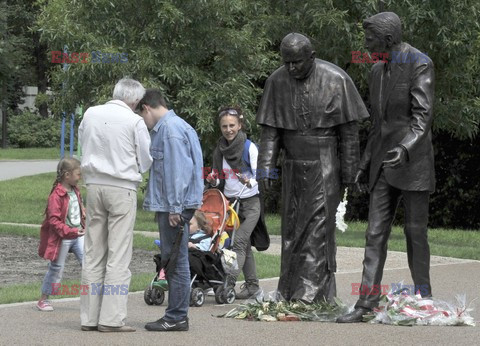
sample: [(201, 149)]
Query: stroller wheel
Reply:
[(146, 296), (197, 297), (228, 295), (153, 296), (219, 298), (158, 296)]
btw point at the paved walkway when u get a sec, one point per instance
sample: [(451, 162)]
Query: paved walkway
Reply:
[(22, 324), (11, 169)]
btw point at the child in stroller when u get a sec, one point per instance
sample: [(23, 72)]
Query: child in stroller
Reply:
[(210, 260)]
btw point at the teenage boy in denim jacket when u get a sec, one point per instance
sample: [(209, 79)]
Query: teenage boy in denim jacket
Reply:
[(174, 192)]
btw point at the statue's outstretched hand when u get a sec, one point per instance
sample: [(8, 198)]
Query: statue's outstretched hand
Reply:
[(395, 158), (361, 181)]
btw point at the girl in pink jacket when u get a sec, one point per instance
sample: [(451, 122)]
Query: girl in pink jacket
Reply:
[(63, 228)]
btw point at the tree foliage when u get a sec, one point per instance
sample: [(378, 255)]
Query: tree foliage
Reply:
[(15, 59), (204, 54)]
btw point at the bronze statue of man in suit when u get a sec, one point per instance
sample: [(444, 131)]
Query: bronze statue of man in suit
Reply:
[(309, 109), (398, 157)]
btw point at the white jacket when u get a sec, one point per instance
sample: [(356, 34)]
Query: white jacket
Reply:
[(115, 146)]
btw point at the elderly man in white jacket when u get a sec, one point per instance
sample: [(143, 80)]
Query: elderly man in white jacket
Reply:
[(115, 144)]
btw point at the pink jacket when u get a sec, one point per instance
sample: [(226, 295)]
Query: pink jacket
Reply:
[(54, 228)]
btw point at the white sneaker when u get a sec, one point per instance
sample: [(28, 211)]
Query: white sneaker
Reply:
[(210, 292)]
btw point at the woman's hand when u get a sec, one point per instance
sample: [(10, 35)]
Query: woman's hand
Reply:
[(212, 178), (81, 231), (244, 179)]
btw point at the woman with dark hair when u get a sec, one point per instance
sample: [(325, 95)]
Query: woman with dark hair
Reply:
[(234, 164)]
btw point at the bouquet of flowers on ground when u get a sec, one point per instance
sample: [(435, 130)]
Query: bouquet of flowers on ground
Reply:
[(400, 308), (277, 309)]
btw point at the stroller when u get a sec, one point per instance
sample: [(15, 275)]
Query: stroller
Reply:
[(209, 269)]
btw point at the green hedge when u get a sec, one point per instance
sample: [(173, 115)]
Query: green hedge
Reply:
[(30, 130), (456, 199)]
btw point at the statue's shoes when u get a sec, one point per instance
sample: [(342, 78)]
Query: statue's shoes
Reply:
[(355, 316)]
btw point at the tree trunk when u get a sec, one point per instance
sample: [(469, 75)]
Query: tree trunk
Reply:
[(41, 70)]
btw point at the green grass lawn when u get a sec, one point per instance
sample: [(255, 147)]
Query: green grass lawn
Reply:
[(443, 242), (30, 154), (31, 291), (23, 200), (267, 266)]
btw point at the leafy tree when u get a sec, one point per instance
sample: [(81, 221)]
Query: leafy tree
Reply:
[(22, 56), (205, 54), (202, 54)]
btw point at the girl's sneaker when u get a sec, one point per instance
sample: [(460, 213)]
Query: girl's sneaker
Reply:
[(44, 305)]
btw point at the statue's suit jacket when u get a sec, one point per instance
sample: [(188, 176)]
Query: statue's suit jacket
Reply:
[(402, 115)]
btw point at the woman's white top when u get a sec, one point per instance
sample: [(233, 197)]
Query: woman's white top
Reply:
[(233, 186)]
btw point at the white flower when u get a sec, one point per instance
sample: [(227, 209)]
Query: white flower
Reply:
[(340, 215)]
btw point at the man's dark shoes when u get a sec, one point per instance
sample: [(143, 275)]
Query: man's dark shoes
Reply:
[(89, 328), (164, 326), (109, 329), (355, 316)]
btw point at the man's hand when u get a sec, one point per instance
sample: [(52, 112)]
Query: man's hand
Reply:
[(396, 158), (174, 220), (81, 231), (361, 181)]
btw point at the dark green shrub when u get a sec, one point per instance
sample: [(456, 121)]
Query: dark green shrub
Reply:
[(29, 130), (456, 198)]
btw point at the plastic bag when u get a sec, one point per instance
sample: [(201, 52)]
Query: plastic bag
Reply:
[(229, 261), (400, 308)]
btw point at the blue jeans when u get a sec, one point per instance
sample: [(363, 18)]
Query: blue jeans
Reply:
[(179, 278), (55, 268)]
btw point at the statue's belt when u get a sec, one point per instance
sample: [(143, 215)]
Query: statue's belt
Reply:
[(309, 148)]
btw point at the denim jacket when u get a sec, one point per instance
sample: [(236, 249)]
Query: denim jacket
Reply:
[(176, 181)]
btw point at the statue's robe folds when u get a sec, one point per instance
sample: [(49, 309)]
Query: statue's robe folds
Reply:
[(314, 121)]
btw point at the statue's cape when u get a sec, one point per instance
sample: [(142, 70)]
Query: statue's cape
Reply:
[(333, 99)]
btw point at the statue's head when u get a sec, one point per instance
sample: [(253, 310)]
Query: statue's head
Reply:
[(382, 32), (298, 55)]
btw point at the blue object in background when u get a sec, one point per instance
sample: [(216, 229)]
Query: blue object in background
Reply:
[(157, 242), (62, 137), (72, 132)]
